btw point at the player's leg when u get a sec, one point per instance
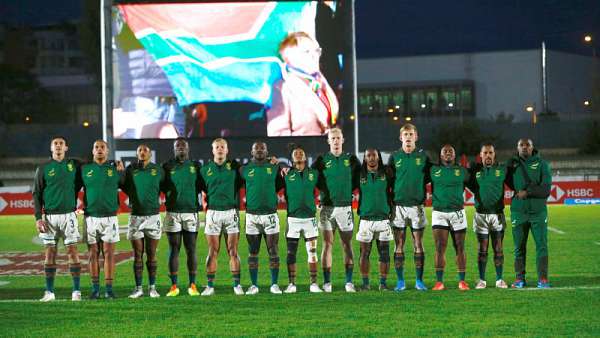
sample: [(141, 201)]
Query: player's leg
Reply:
[(272, 241), (189, 242), (365, 265), (383, 247), (311, 253), (292, 250), (151, 264), (138, 266), (253, 251), (539, 230), (174, 239), (458, 241), (498, 247), (326, 224), (399, 240), (94, 266), (440, 239), (520, 233), (419, 257), (214, 245), (345, 222), (232, 240), (49, 271), (70, 228), (109, 268), (482, 257)]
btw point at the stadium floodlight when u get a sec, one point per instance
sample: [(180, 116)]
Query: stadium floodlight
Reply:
[(86, 124), (27, 119), (395, 118), (587, 38), (586, 103), (451, 105), (390, 110), (352, 117), (529, 108), (408, 119), (423, 105)]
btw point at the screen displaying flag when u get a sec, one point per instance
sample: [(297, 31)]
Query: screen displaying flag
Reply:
[(171, 58)]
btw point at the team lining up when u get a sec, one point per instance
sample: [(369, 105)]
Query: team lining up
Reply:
[(391, 201)]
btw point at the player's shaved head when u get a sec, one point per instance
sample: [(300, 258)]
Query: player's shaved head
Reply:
[(447, 154), (100, 151), (525, 147), (259, 151), (181, 148)]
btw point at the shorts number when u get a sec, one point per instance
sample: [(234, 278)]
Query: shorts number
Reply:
[(272, 220)]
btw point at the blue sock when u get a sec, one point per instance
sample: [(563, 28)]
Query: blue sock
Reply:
[(50, 271), (109, 288), (211, 279), (461, 276), (349, 270), (382, 280), (274, 267), (253, 268), (95, 287), (75, 270), (365, 280), (419, 263), (173, 279), (399, 265), (327, 275), (192, 278), (439, 275)]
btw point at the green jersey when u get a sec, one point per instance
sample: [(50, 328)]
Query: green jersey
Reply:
[(375, 195), (55, 187), (487, 184), (300, 192), (337, 176), (101, 186), (142, 185), (448, 186), (533, 175), (411, 175), (222, 185), (263, 181), (182, 185)]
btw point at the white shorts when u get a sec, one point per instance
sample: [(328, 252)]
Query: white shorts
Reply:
[(59, 226), (370, 230), (105, 229), (297, 226), (341, 218), (262, 224), (144, 226), (454, 221), (484, 223), (177, 221), (218, 221), (413, 217)]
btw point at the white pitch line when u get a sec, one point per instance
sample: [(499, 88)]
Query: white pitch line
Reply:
[(597, 243), (560, 232)]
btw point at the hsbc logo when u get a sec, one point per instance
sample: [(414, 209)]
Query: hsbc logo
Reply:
[(469, 197), (556, 193), (3, 204), (19, 204)]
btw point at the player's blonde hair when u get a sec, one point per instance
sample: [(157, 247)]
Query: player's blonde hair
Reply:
[(292, 40), (407, 127), (219, 140), (335, 130)]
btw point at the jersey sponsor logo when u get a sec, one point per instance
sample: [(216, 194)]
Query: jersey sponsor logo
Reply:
[(109, 172), (456, 172), (228, 166), (418, 161), (347, 162), (437, 173), (534, 166), (398, 163), (497, 172), (269, 171), (328, 164), (209, 172), (70, 166), (363, 180), (311, 176), (153, 172), (51, 172), (192, 170), (478, 175), (292, 177), (251, 173), (90, 173)]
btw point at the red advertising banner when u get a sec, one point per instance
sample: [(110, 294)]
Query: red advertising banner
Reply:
[(21, 203)]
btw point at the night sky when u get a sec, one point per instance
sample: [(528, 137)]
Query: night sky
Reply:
[(411, 27)]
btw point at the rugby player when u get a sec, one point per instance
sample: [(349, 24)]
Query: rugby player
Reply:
[(487, 184), (101, 180), (337, 171), (222, 185), (263, 180), (531, 179), (143, 180), (182, 185), (300, 185), (410, 167), (55, 188), (448, 218), (375, 184)]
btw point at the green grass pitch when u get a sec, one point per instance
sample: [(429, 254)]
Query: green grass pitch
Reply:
[(569, 309)]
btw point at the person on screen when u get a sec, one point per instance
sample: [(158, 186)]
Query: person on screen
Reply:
[(303, 104)]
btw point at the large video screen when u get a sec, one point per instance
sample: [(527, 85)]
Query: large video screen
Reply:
[(248, 69)]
